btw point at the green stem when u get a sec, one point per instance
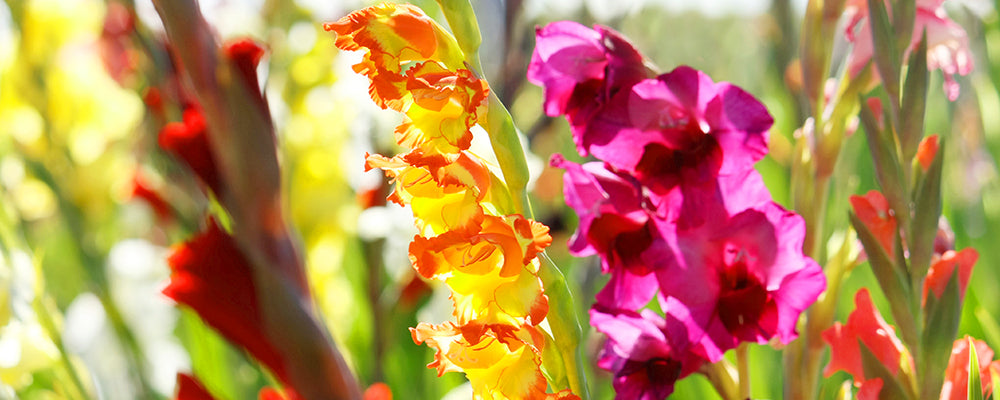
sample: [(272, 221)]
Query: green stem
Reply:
[(565, 324), (720, 375), (507, 147), (743, 366), (45, 319)]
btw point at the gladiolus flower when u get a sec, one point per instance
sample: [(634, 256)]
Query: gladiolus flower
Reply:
[(754, 281), (926, 151), (500, 363), (142, 190), (874, 212), (213, 277), (486, 258), (956, 381), (687, 127), (646, 353), (378, 391), (189, 388), (943, 267), (188, 141), (865, 324), (581, 70), (675, 206), (394, 36)]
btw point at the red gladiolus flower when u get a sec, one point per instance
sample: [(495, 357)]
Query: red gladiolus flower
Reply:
[(944, 266), (212, 276), (189, 388), (874, 212), (378, 391), (188, 141), (866, 325), (245, 54), (956, 381), (927, 151), (142, 190)]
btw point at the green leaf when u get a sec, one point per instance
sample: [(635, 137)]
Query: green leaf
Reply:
[(914, 102), (891, 388), (888, 170), (565, 324), (462, 21), (885, 54), (506, 145), (553, 366), (975, 382), (927, 211), (890, 278), (942, 316), (904, 14)]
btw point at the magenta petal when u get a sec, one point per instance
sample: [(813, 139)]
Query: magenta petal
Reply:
[(632, 335), (628, 291), (642, 353), (753, 279), (566, 55), (680, 127), (613, 217), (740, 124)]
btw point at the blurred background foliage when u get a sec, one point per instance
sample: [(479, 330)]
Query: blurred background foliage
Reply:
[(82, 259)]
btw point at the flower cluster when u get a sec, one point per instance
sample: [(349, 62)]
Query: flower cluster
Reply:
[(487, 258), (865, 327), (211, 274), (675, 209)]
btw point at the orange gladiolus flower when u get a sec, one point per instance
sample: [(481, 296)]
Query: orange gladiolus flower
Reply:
[(488, 259)]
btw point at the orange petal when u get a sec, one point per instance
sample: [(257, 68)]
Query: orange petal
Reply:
[(446, 104), (394, 36), (503, 364), (927, 151), (865, 324), (874, 212), (942, 269)]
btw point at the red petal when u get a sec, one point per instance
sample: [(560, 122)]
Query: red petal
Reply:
[(188, 141), (378, 391), (873, 211), (212, 276), (189, 388), (927, 151), (142, 191)]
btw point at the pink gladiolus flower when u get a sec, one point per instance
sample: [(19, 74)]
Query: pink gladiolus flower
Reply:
[(581, 69), (616, 223), (687, 127), (753, 280), (676, 207), (644, 351), (947, 43)]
